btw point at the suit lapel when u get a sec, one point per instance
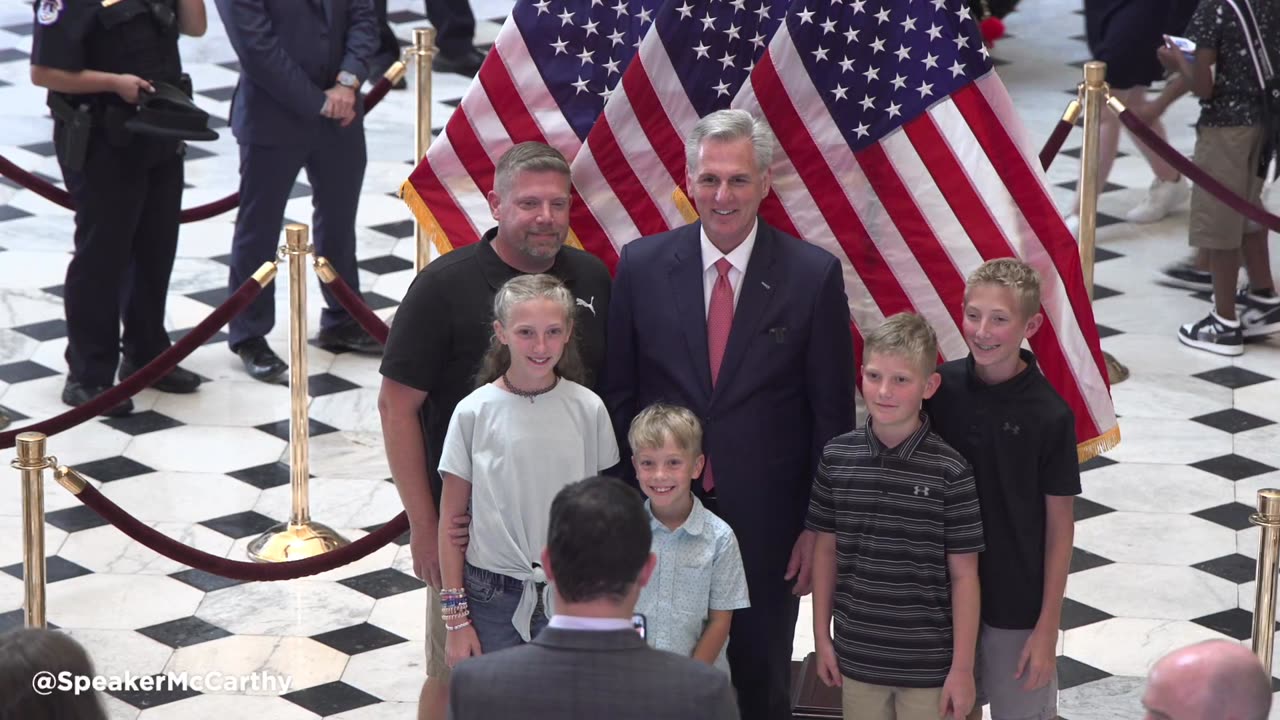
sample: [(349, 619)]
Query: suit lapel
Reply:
[(685, 276), (758, 285)]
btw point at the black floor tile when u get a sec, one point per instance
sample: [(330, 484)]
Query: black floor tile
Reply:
[(56, 569), (162, 695), (184, 632), (399, 229), (1101, 292), (13, 415), (1233, 377), (378, 302), (1098, 461), (42, 331), (385, 264), (1235, 568), (1236, 623), (207, 582), (141, 423), (1075, 614), (241, 524), (383, 583), (405, 16), (1105, 332), (331, 698), (218, 337), (74, 518), (1233, 421), (222, 94), (24, 370), (1085, 509), (114, 468), (11, 54), (1109, 187), (9, 212), (264, 477), (1085, 560), (212, 297), (1231, 515), (1232, 467), (358, 639), (55, 290), (280, 429), (42, 148), (1072, 673), (328, 384)]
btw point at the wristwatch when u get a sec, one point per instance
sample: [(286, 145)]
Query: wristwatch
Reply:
[(348, 79)]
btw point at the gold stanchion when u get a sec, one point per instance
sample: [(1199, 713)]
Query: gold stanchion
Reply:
[(1072, 113), (32, 462), (395, 73), (300, 537), (424, 53), (1095, 96), (1264, 604)]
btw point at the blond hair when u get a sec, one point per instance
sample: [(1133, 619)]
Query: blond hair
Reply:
[(656, 423), (521, 289), (905, 335), (1019, 277)]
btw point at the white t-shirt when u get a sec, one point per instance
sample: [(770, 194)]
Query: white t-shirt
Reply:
[(517, 455)]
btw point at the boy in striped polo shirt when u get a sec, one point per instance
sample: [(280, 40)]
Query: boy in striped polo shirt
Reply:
[(899, 532)]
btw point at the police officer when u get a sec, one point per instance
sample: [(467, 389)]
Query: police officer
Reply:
[(98, 59)]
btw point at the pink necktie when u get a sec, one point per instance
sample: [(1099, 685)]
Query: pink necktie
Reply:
[(719, 320)]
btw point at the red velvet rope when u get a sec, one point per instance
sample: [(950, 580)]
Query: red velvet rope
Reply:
[(153, 371), (1196, 175), (371, 323), (1054, 144), (55, 194), (240, 569)]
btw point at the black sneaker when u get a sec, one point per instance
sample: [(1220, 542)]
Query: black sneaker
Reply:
[(1185, 275), (179, 380), (1259, 316), (76, 394), (1213, 334)]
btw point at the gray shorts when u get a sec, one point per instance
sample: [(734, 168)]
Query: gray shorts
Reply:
[(997, 662)]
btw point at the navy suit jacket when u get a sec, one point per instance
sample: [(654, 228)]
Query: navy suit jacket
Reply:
[(785, 386), (290, 52)]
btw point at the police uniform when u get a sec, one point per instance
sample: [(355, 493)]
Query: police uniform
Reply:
[(127, 187)]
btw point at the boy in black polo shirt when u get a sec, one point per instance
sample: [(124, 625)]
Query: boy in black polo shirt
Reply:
[(999, 411), (899, 530)]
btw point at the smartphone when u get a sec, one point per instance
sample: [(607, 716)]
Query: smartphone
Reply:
[(1187, 47), (639, 622)]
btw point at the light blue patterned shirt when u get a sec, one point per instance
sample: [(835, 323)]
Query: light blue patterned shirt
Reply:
[(699, 569)]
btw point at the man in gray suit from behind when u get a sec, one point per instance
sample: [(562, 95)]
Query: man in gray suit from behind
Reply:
[(589, 662)]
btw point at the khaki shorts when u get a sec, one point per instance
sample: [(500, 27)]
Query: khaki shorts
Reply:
[(864, 701), (1230, 155), (997, 661), (437, 660)]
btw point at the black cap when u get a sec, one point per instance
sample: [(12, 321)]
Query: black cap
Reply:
[(169, 113)]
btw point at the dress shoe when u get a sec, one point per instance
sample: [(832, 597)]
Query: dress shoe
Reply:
[(348, 337), (75, 395), (177, 381), (261, 362), (465, 63)]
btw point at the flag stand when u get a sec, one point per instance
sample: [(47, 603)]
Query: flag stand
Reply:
[(423, 53), (1095, 91)]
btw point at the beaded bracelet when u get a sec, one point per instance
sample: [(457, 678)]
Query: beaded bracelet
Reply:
[(461, 612), (455, 628)]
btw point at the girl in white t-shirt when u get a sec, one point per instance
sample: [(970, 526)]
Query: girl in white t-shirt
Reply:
[(528, 430)]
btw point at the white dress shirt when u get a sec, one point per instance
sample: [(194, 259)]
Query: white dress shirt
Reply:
[(573, 622), (737, 258)]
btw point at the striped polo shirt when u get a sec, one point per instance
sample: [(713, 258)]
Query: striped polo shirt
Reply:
[(896, 514)]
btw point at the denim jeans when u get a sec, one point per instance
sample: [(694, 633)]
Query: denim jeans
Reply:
[(492, 599)]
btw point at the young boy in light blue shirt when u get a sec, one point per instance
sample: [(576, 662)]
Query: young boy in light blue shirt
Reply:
[(688, 604)]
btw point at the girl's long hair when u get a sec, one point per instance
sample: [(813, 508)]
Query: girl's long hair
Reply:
[(520, 289)]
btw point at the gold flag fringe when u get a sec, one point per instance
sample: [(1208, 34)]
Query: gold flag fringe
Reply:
[(683, 205), (1090, 449), (430, 228)]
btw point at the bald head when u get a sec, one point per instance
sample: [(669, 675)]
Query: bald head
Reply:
[(1212, 680)]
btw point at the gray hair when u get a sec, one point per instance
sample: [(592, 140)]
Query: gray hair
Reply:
[(731, 125), (530, 156)]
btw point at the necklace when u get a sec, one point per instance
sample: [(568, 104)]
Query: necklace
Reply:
[(531, 394)]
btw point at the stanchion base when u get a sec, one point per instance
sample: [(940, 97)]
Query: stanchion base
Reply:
[(286, 542), (1116, 371)]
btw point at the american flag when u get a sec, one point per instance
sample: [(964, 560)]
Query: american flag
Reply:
[(553, 66), (899, 151)]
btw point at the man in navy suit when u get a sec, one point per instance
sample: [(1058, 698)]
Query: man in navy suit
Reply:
[(296, 106), (749, 328)]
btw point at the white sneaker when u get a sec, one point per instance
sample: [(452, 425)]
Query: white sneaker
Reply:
[(1162, 198)]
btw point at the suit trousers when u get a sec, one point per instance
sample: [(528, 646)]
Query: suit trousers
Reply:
[(128, 198), (335, 162), (455, 25)]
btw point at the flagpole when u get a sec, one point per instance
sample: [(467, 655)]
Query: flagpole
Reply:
[(424, 52), (1095, 97)]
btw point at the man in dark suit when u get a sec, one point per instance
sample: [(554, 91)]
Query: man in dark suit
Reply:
[(296, 106), (749, 328), (590, 662)]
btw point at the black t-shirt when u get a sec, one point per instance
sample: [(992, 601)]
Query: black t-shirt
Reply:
[(445, 321), (1019, 436), (1237, 96)]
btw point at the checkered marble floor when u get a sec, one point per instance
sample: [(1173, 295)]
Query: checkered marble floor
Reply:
[(1164, 550)]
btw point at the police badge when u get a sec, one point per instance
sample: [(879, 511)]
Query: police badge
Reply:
[(47, 11)]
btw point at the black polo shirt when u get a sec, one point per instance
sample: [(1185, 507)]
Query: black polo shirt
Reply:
[(444, 323), (896, 514), (1019, 436)]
